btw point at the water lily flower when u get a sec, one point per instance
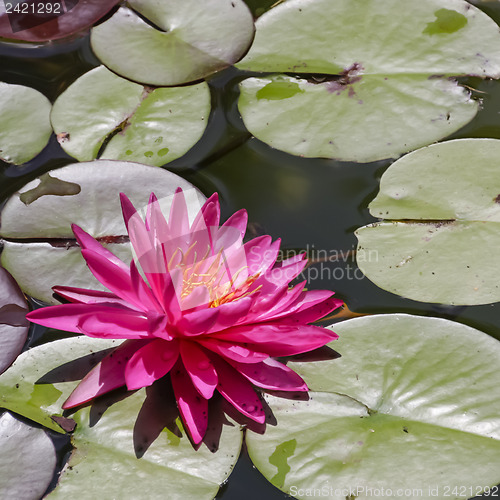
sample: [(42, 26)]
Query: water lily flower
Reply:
[(196, 303)]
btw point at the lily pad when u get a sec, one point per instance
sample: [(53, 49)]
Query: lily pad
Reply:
[(372, 78), (409, 407), (441, 243), (169, 43), (103, 115), (25, 126), (40, 250), (50, 22), (104, 437), (13, 323), (27, 459)]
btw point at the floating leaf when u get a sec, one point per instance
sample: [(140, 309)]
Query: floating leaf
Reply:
[(50, 22), (169, 43), (409, 405), (373, 77), (27, 459), (443, 242), (40, 250), (105, 438), (127, 121), (13, 323), (25, 126)]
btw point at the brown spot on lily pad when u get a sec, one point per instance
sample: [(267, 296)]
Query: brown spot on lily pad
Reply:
[(50, 186), (345, 80), (67, 424)]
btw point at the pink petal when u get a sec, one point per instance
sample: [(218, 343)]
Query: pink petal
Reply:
[(141, 290), (192, 406), (200, 368), (233, 351), (152, 201), (150, 363), (69, 317), (114, 324), (261, 254), (280, 275), (277, 339), (313, 313), (232, 313), (157, 223), (84, 296), (105, 376), (305, 301), (238, 391), (128, 209), (87, 242), (178, 221), (271, 374), (208, 216), (113, 277), (198, 322), (239, 221)]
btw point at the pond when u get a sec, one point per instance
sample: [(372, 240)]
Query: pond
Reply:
[(314, 204)]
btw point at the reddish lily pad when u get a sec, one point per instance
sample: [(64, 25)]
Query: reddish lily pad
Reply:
[(27, 460), (13, 323), (29, 27)]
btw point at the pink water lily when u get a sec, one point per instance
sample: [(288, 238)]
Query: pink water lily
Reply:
[(196, 303)]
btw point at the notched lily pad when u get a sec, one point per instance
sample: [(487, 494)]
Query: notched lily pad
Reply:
[(278, 110), (383, 60), (51, 20), (440, 239), (40, 250), (25, 126), (105, 116), (27, 459), (409, 394), (13, 323), (174, 42)]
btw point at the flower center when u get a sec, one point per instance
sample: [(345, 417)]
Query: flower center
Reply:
[(214, 273)]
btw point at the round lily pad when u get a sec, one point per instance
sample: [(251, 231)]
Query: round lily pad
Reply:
[(174, 42), (47, 21), (103, 115), (13, 323), (372, 78), (111, 434), (440, 242), (40, 250), (27, 460), (25, 126), (410, 409)]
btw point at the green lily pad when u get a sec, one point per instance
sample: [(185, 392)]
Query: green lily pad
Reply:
[(103, 115), (13, 323), (40, 250), (25, 126), (441, 243), (27, 459), (104, 438), (170, 43), (372, 77), (412, 404)]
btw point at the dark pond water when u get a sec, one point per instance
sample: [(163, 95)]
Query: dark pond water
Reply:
[(312, 204)]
